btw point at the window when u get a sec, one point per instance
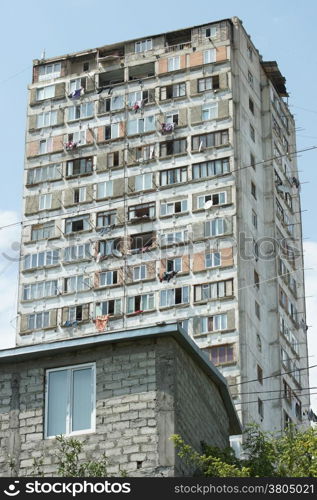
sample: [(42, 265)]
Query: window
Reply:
[(173, 63), (75, 314), (210, 111), (143, 182), (77, 84), (174, 237), (112, 307), (37, 321), (209, 56), (111, 131), (206, 324), (210, 140), (113, 159), (80, 194), (142, 242), (43, 174), (104, 189), (256, 279), (77, 283), (211, 31), (139, 273), (77, 252), (75, 224), (252, 133), (209, 83), (250, 78), (260, 374), (79, 111), (215, 199), (174, 296), (141, 125), (106, 219), (42, 231), (111, 104), (46, 146), (250, 52), (40, 290), (47, 119), (108, 278), (253, 189), (70, 400), (45, 201), (211, 291), (174, 265), (144, 153), (41, 259), (45, 93), (222, 354), (78, 137), (138, 96), (258, 342), (184, 324), (215, 227), (49, 71), (251, 105), (173, 147), (173, 176), (211, 168), (213, 259), (144, 211), (79, 166), (171, 118), (86, 66), (254, 219), (141, 303), (174, 208), (257, 309), (171, 91), (260, 408), (143, 45)]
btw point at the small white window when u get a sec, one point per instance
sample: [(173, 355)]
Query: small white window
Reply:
[(45, 93), (70, 400), (46, 146), (173, 63), (209, 56), (45, 201), (139, 273), (213, 259), (104, 189), (143, 182), (143, 45), (49, 71), (210, 111)]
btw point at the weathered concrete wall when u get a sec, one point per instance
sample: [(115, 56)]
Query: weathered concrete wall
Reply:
[(146, 391)]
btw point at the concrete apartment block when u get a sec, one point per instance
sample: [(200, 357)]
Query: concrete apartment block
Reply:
[(149, 384), (161, 184)]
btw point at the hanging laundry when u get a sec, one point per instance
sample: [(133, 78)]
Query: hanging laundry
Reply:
[(70, 323), (101, 322), (167, 127), (76, 94), (70, 145), (139, 105), (167, 276)]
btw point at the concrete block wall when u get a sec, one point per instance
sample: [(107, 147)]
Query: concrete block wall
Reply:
[(144, 393)]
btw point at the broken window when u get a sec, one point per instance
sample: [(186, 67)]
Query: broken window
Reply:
[(144, 211)]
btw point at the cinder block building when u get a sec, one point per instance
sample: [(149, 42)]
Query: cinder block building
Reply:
[(161, 185), (125, 394)]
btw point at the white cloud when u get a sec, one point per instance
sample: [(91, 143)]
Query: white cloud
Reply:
[(310, 257)]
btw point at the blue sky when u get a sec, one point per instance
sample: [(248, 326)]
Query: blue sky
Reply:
[(282, 30)]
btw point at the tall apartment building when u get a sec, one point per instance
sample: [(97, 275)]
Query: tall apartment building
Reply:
[(161, 185)]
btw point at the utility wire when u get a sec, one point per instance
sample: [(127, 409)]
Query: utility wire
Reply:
[(273, 399), (273, 376)]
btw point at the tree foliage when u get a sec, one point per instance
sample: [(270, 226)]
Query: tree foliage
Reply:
[(291, 454)]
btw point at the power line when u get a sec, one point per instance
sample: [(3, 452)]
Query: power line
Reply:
[(273, 376), (273, 399), (277, 390)]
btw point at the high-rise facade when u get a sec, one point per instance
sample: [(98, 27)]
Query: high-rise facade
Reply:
[(161, 185)]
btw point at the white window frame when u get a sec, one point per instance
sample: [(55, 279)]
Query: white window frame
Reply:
[(47, 230), (147, 302), (45, 320), (46, 119), (140, 272), (49, 71), (45, 173), (71, 369), (48, 258), (143, 182), (143, 45), (169, 208), (81, 283), (117, 310), (214, 261), (39, 290), (173, 63), (74, 253), (45, 146), (173, 237), (104, 189), (69, 222), (45, 201), (215, 227), (209, 56), (106, 278), (202, 200), (79, 111), (47, 92), (209, 111)]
